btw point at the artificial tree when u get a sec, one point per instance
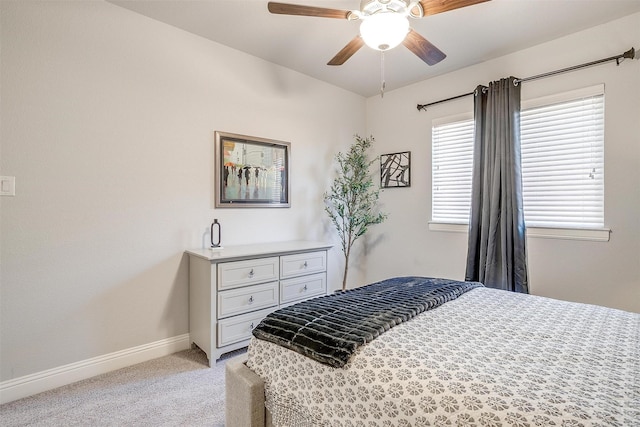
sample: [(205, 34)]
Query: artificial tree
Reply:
[(352, 201)]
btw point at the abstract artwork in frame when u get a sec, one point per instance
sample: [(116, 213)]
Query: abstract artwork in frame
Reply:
[(395, 170), (251, 172)]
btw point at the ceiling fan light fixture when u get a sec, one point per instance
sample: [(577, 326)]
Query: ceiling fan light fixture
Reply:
[(384, 30)]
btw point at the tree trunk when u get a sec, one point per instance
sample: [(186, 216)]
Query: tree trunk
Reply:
[(346, 270)]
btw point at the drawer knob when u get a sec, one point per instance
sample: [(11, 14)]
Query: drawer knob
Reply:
[(305, 288), (251, 299), (251, 326), (251, 273), (305, 264)]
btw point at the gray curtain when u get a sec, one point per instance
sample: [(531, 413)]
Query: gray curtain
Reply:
[(497, 235)]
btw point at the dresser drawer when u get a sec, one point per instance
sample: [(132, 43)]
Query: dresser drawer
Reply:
[(239, 328), (299, 264), (303, 287), (241, 273), (244, 300)]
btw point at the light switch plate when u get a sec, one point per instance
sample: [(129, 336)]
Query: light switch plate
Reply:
[(7, 185)]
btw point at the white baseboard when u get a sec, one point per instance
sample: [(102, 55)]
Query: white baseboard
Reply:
[(29, 385)]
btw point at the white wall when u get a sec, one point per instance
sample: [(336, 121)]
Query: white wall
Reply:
[(592, 272), (107, 125)]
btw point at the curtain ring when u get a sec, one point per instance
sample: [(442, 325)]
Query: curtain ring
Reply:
[(483, 89)]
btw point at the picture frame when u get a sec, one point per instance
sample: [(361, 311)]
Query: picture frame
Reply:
[(251, 172), (395, 170)]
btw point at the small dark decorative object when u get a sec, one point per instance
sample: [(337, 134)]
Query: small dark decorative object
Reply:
[(395, 170), (216, 225)]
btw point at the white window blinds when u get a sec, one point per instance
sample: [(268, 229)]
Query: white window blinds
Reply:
[(562, 162), (452, 160)]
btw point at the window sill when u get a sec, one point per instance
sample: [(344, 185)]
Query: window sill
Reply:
[(589, 234)]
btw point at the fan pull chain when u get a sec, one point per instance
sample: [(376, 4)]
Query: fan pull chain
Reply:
[(382, 82)]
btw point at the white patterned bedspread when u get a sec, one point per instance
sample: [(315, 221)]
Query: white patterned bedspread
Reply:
[(489, 358)]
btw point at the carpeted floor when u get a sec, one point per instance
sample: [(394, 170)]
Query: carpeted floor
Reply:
[(175, 390)]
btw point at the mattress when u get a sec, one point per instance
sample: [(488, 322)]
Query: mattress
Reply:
[(487, 358)]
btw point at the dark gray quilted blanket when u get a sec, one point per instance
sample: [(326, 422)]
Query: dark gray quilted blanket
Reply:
[(329, 329)]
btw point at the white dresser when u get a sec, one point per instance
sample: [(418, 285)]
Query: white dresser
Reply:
[(232, 289)]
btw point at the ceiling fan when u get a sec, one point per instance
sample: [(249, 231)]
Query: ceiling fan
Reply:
[(385, 24)]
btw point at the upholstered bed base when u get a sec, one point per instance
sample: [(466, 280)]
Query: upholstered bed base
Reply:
[(244, 405)]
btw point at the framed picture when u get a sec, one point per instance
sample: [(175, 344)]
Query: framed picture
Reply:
[(395, 170), (251, 172)]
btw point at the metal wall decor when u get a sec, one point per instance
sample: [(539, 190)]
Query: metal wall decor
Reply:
[(395, 170), (251, 172)]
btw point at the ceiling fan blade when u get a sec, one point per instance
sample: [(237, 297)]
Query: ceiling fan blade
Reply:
[(423, 48), (296, 9), (347, 51), (431, 7)]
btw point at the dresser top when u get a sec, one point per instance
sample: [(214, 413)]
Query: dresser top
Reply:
[(261, 249)]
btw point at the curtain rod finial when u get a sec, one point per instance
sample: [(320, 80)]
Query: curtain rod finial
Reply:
[(630, 54)]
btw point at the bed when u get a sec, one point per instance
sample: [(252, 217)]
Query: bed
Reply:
[(484, 358)]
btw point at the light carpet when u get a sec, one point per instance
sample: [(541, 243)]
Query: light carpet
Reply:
[(175, 390)]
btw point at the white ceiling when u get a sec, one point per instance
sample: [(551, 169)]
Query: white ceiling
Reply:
[(468, 35)]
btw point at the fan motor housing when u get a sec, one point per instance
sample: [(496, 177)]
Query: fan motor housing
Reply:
[(405, 7)]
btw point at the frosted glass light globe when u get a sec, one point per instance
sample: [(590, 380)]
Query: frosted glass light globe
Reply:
[(384, 30)]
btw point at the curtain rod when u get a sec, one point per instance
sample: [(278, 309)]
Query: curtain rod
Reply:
[(628, 54)]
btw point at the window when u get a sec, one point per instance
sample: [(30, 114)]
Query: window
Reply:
[(562, 162), (452, 160)]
